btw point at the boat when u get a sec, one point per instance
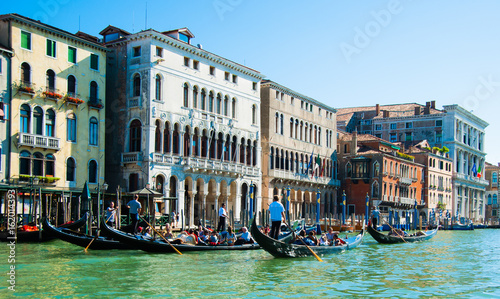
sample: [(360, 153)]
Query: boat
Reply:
[(83, 240), (30, 234), (459, 226), (160, 246), (278, 248), (386, 239)]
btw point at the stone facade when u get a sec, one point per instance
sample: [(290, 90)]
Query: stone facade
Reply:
[(492, 212), (294, 129)]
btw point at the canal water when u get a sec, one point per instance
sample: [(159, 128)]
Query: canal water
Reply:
[(464, 264)]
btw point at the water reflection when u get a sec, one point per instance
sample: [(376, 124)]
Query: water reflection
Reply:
[(451, 264)]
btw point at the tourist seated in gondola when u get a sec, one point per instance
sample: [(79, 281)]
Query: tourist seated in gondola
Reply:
[(147, 232), (230, 237), (214, 239), (245, 237), (267, 230), (168, 232), (323, 240), (312, 237), (302, 238), (338, 241), (330, 234)]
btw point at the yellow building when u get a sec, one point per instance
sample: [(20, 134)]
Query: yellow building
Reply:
[(56, 108)]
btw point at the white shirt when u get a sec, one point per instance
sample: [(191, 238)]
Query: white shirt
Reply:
[(222, 212), (275, 209)]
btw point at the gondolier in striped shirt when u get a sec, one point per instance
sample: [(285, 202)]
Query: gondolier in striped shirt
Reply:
[(277, 212)]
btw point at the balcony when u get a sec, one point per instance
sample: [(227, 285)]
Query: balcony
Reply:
[(293, 176), (405, 181), (95, 103), (26, 88), (470, 178), (38, 141), (204, 165), (132, 157), (406, 200), (72, 99), (52, 94), (134, 102)]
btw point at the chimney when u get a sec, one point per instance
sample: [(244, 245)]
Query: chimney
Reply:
[(417, 110), (377, 109), (433, 104), (386, 113), (354, 144), (427, 108)]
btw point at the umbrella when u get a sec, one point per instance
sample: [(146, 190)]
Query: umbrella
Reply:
[(147, 191)]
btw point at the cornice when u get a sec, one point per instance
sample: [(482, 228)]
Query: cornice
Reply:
[(467, 114)]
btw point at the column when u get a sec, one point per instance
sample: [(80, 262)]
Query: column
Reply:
[(181, 143), (181, 203), (237, 201)]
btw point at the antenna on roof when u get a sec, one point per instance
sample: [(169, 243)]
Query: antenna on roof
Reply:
[(133, 20), (146, 17), (79, 23)]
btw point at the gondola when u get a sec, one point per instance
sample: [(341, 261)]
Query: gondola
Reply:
[(279, 248), (386, 239), (160, 246), (459, 226), (24, 236), (83, 240)]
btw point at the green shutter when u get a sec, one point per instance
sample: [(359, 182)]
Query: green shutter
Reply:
[(94, 62), (72, 54), (26, 40), (51, 48)]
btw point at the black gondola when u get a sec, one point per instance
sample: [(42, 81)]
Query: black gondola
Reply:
[(391, 239), (83, 240), (40, 235), (151, 245), (279, 248)]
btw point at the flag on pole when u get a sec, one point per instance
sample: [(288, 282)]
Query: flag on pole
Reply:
[(474, 170), (309, 165), (317, 163), (323, 168), (479, 171)]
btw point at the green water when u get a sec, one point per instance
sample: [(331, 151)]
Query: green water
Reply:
[(461, 264)]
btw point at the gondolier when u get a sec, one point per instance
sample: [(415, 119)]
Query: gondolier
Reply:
[(277, 212), (135, 209), (222, 218)]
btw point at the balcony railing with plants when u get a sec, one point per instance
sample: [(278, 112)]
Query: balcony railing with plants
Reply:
[(72, 99), (25, 87), (41, 179), (52, 94), (95, 103)]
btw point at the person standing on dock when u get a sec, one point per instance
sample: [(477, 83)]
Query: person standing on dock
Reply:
[(277, 212), (222, 218), (134, 209)]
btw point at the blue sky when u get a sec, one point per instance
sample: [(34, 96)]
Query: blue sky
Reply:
[(342, 53)]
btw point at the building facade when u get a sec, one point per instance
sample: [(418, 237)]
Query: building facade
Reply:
[(5, 82), (298, 151), (370, 166), (492, 212), (184, 121), (57, 97)]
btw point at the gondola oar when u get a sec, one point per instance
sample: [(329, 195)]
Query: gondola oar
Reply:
[(161, 235), (96, 234), (300, 238), (397, 234)]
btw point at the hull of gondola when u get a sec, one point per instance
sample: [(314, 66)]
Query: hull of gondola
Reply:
[(386, 239), (160, 246), (282, 249), (39, 235)]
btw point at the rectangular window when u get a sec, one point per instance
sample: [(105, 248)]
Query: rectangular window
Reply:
[(51, 48), (186, 61), (226, 76), (25, 40), (94, 62), (196, 64), (378, 136), (439, 123), (378, 127), (159, 52), (393, 137), (235, 79), (393, 126), (408, 136), (212, 70), (136, 51), (254, 87), (72, 54), (439, 136), (409, 125)]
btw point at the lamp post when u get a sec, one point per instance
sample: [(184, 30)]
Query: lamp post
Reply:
[(343, 207)]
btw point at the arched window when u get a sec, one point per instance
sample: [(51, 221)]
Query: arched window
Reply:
[(71, 85), (50, 165), (281, 124), (203, 105), (376, 169), (38, 164), (136, 86), (254, 114), (348, 170), (158, 137), (211, 101), (495, 199), (291, 127), (277, 122), (158, 88), (135, 136), (25, 74), (25, 118), (93, 131), (38, 117), (489, 199), (71, 127), (233, 108), (195, 97), (166, 138), (25, 163), (494, 178), (226, 106), (271, 158), (51, 80), (219, 103), (375, 189), (186, 95), (50, 120), (93, 91), (175, 140), (70, 169), (93, 171)]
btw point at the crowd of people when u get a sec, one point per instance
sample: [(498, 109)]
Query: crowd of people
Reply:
[(206, 236), (330, 238)]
